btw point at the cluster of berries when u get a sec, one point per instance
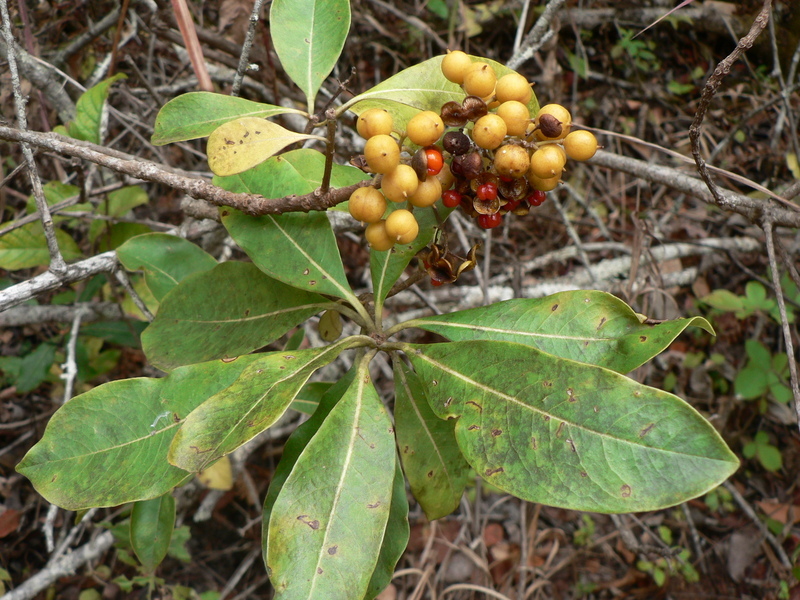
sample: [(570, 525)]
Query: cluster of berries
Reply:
[(418, 184), (485, 155)]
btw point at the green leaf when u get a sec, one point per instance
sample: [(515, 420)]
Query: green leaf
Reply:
[(309, 397), (26, 247), (228, 311), (421, 87), (758, 354), (295, 248), (327, 525), (239, 145), (295, 445), (119, 233), (248, 406), (433, 464), (152, 522), (586, 326), (395, 539), (308, 36), (769, 457), (165, 259), (55, 192), (724, 300), (120, 202), (109, 446), (34, 367), (569, 434), (197, 114), (89, 111)]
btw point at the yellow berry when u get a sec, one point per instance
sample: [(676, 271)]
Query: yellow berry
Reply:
[(580, 145), (543, 185), (511, 161), (455, 65), (548, 161), (367, 205), (428, 192), (425, 128), (516, 116), (480, 80), (400, 184), (374, 121), (382, 153), (377, 237), (402, 226), (513, 86), (489, 131)]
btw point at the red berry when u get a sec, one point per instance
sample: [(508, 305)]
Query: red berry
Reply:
[(536, 198), (489, 221), (451, 198), (435, 161), (511, 205), (436, 283), (487, 192)]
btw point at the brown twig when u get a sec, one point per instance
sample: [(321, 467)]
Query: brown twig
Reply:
[(711, 87), (251, 204)]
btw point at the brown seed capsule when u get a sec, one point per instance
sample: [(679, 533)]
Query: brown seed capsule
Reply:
[(468, 166), (550, 127), (516, 189), (453, 114), (474, 108), (419, 162), (456, 143), (486, 207)]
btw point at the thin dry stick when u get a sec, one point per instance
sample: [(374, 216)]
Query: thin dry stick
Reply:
[(711, 87), (57, 263), (246, 47), (766, 225), (189, 32), (538, 36)]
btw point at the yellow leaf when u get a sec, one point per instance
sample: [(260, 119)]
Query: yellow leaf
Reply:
[(794, 167), (330, 325), (218, 476), (244, 143)]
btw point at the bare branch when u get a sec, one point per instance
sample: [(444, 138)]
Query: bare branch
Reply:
[(57, 263), (251, 204), (711, 87)]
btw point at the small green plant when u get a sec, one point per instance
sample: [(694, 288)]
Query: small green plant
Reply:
[(640, 52), (764, 376), (531, 394), (584, 534), (753, 301), (768, 455), (678, 563)]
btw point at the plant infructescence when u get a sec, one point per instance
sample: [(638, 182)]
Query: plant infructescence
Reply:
[(530, 393)]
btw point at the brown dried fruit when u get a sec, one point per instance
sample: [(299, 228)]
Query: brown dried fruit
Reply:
[(468, 166), (456, 143), (453, 115), (474, 108)]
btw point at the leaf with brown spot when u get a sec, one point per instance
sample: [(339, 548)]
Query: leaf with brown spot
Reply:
[(436, 470), (354, 445), (588, 326), (570, 454)]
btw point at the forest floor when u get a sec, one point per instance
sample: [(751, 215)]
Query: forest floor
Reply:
[(640, 95)]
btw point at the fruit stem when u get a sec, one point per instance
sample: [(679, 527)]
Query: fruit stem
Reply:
[(329, 149)]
